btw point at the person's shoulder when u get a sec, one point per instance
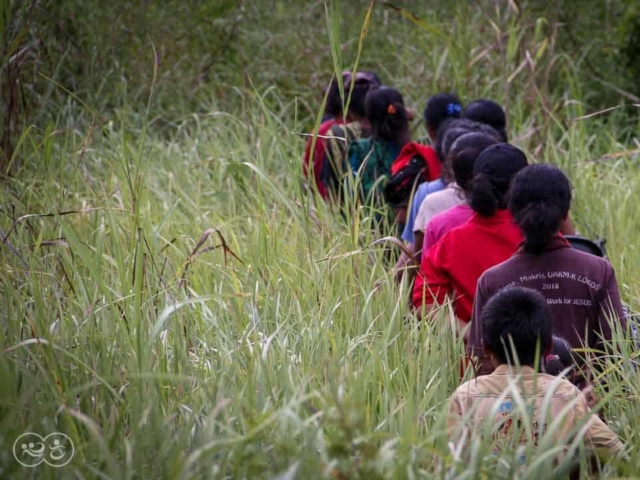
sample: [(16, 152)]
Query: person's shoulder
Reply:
[(586, 258), (462, 230), (586, 263), (471, 387), (434, 186), (425, 151), (422, 191), (428, 206), (337, 129), (454, 240), (361, 145), (500, 276), (328, 125), (354, 128), (504, 266), (560, 386), (341, 130), (445, 215), (438, 194), (437, 218)]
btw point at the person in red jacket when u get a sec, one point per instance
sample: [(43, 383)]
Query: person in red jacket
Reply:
[(313, 163), (452, 266)]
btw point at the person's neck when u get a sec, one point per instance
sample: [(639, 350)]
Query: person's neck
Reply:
[(515, 367)]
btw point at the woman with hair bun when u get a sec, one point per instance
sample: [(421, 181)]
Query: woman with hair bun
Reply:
[(581, 289), (452, 266), (371, 159), (451, 203)]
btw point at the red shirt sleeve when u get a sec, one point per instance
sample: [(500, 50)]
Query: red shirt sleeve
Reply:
[(433, 282)]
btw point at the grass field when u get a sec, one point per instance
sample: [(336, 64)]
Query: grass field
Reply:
[(176, 304)]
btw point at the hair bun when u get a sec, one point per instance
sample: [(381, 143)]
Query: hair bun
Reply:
[(553, 365), (485, 196)]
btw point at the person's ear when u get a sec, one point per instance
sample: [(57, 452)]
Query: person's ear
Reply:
[(547, 350)]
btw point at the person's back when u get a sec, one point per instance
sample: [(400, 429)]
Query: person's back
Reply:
[(452, 266), (315, 151), (580, 289), (340, 137), (448, 132), (444, 222), (447, 142), (439, 115), (315, 155), (334, 165), (459, 162), (518, 405), (371, 159), (494, 399)]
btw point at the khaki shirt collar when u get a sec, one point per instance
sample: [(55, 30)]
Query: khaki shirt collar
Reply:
[(505, 369)]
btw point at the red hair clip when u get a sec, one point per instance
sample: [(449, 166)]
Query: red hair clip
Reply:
[(391, 109)]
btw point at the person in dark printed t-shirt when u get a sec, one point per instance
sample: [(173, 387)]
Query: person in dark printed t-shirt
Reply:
[(580, 289)]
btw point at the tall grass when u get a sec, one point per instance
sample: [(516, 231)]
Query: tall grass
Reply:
[(177, 305)]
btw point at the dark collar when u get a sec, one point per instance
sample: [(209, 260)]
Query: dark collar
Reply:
[(556, 243)]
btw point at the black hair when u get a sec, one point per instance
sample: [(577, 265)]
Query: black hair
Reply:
[(385, 110), (563, 350), (357, 87), (564, 360), (493, 172), (358, 95), (453, 129), (374, 77), (463, 154), (560, 357), (487, 112), (516, 320), (540, 201), (448, 131), (441, 107), (333, 106)]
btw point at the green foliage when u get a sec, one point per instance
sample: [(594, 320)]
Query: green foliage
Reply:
[(177, 305), (602, 40)]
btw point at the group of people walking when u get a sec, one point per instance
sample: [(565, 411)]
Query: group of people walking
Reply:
[(481, 223)]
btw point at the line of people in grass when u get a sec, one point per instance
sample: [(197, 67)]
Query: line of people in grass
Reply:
[(486, 230)]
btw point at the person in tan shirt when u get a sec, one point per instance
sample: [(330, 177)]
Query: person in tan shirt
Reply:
[(516, 405)]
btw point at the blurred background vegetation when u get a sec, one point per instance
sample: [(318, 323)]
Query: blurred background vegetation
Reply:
[(104, 52)]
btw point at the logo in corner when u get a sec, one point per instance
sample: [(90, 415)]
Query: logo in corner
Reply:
[(31, 449)]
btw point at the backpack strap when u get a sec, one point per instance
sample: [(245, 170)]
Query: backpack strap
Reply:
[(428, 154)]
